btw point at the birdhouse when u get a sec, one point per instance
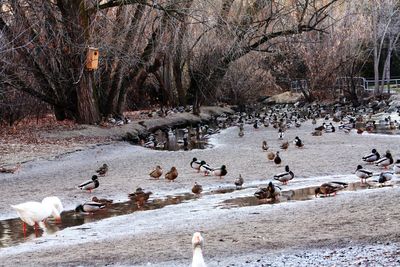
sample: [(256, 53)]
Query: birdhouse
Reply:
[(92, 58)]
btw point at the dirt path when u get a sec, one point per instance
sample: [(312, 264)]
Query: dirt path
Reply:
[(162, 237)]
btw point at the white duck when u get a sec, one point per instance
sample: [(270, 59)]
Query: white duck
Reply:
[(34, 213), (198, 242)]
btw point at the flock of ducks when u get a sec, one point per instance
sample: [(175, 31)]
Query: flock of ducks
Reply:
[(35, 213)]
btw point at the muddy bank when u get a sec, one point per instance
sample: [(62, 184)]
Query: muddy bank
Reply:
[(49, 144)]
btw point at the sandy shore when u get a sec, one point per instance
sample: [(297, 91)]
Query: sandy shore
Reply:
[(362, 226)]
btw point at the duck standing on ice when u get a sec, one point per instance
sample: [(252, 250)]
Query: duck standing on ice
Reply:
[(373, 156), (385, 161), (89, 185)]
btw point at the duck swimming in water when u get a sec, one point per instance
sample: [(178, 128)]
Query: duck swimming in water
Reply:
[(330, 188)]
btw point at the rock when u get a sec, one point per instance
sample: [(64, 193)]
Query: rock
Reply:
[(284, 98)]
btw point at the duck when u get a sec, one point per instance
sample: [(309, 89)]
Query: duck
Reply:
[(197, 244), (385, 176), (90, 184), (321, 128), (102, 200), (271, 155), (139, 196), (261, 193), (239, 181), (285, 145), (286, 176), (157, 172), (277, 159), (373, 156), (330, 188), (396, 167), (197, 188), (241, 132), (220, 171), (102, 170), (172, 174), (330, 128), (90, 207), (270, 192), (264, 146), (316, 133), (273, 191), (206, 169), (385, 161), (281, 134), (33, 213), (58, 208), (195, 164), (363, 173), (297, 142)]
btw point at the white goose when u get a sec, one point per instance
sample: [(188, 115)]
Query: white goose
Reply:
[(34, 213), (198, 242)]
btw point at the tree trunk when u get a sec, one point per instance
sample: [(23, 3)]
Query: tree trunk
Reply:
[(87, 109)]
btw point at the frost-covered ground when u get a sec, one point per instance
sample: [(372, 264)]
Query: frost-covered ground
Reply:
[(353, 228)]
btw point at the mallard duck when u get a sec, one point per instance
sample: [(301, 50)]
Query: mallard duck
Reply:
[(330, 188), (139, 196), (360, 131), (206, 169), (220, 171), (396, 167), (316, 133), (156, 173), (321, 128), (90, 207), (195, 164), (385, 161), (90, 184), (285, 145), (363, 173), (273, 191), (271, 155), (330, 128), (11, 170), (314, 121), (277, 159), (297, 142), (197, 243), (241, 132), (102, 200), (264, 146), (373, 156), (270, 192), (239, 181), (384, 177), (102, 170), (261, 193), (34, 213), (281, 134), (197, 188), (172, 174), (286, 176)]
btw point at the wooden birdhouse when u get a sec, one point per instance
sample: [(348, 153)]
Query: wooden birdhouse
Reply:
[(92, 58)]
